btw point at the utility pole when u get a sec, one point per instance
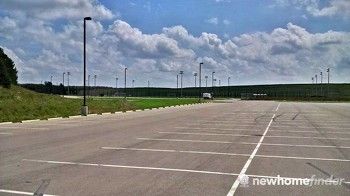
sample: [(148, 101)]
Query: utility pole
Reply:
[(125, 81), (181, 73), (195, 79)]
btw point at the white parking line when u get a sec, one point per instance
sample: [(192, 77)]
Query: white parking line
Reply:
[(245, 143), (154, 168), (225, 154), (224, 129), (19, 192), (23, 128), (323, 132), (243, 135), (235, 185), (130, 167), (5, 133)]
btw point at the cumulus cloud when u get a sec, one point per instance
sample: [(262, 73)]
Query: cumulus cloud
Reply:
[(286, 54), (313, 7), (55, 9)]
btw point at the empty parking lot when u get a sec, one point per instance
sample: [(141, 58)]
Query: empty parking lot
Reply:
[(188, 150)]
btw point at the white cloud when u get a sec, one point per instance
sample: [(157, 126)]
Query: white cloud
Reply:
[(286, 54), (313, 7), (226, 22), (55, 9), (213, 21)]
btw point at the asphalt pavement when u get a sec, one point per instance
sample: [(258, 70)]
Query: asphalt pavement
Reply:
[(227, 148)]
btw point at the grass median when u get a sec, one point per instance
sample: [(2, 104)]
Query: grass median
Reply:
[(17, 104)]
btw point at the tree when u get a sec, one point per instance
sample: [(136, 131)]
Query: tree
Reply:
[(8, 71)]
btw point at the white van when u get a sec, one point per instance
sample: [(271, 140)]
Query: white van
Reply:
[(207, 96)]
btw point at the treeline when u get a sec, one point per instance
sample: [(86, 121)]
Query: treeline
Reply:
[(8, 71), (277, 91)]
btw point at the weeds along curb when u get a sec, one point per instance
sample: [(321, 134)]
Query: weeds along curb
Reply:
[(105, 113)]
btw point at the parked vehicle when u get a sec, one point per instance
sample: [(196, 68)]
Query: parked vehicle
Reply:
[(207, 96)]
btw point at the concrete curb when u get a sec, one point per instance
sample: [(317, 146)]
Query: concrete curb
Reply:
[(28, 121), (57, 118), (6, 123)]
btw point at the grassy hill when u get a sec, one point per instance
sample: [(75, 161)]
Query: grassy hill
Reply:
[(17, 104)]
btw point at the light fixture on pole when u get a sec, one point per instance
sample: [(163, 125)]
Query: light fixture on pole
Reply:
[(84, 109), (195, 79)]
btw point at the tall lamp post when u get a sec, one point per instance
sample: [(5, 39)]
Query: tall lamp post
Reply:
[(68, 74), (228, 86), (206, 81), (195, 79), (84, 109), (88, 84), (212, 82), (181, 73), (116, 86), (200, 81), (177, 85), (125, 81), (63, 78)]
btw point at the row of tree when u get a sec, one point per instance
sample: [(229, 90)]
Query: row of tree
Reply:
[(8, 71)]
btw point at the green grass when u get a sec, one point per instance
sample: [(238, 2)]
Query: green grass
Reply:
[(17, 104)]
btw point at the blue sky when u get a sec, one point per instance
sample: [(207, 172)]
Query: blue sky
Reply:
[(251, 41)]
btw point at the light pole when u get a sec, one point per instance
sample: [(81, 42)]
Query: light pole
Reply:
[(51, 79), (68, 74), (89, 85), (195, 79), (200, 81), (84, 109), (312, 79), (125, 81), (228, 86), (206, 81), (181, 73), (212, 82), (328, 70), (116, 86), (177, 85), (219, 82), (63, 78), (316, 78), (321, 77), (133, 82)]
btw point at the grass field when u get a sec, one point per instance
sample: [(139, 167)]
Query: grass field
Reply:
[(17, 104)]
